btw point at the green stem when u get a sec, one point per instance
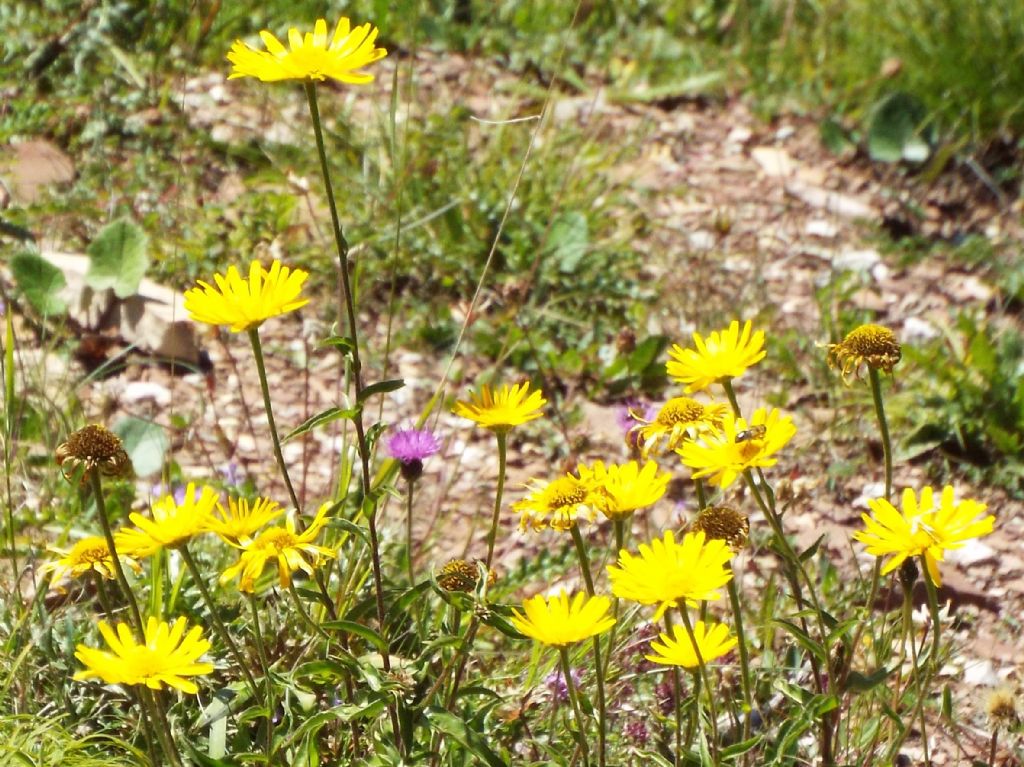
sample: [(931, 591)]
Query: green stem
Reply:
[(306, 618), (581, 553), (619, 527), (883, 428), (122, 581), (218, 624), (408, 532), (161, 725), (702, 499), (703, 672), (261, 371), (737, 613), (574, 699), (261, 649), (731, 394), (492, 534)]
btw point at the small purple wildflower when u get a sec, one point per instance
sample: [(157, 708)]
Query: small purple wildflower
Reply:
[(411, 447), (627, 422), (555, 683), (232, 474), (636, 731)]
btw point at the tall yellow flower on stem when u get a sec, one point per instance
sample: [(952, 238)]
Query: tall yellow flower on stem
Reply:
[(89, 555), (559, 622), (720, 357), (241, 520), (619, 490), (310, 56), (241, 303), (873, 345), (667, 573), (680, 419), (557, 504), (921, 528), (172, 525), (166, 657), (713, 641), (501, 409), (741, 445)]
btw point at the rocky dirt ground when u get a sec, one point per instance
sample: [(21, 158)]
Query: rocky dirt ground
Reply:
[(744, 216)]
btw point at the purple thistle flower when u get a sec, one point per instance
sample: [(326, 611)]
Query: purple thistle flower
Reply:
[(411, 447)]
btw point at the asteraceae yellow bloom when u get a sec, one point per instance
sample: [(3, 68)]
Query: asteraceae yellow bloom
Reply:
[(558, 504), (739, 446), (921, 529), (240, 521), (93, 447), (667, 573), (243, 304), (312, 56), (874, 345), (87, 555), (172, 524), (680, 419), (620, 490), (167, 656), (559, 623), (500, 410), (722, 356), (293, 551), (713, 642), (460, 575), (723, 523)]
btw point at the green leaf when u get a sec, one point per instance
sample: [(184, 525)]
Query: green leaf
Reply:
[(342, 343), (801, 637), (452, 726), (896, 130), (380, 387), (40, 282), (350, 627), (145, 442), (321, 418), (118, 258), (857, 682), (568, 240), (738, 749), (811, 550)]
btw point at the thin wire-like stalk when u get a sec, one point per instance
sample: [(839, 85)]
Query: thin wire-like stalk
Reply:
[(492, 534), (261, 371), (218, 624), (883, 428), (702, 671), (581, 553), (161, 725), (122, 581), (744, 653), (306, 617), (408, 531), (574, 699), (261, 650)]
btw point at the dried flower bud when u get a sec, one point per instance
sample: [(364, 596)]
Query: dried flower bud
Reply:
[(1001, 707), (723, 523), (460, 575), (93, 447), (872, 344)]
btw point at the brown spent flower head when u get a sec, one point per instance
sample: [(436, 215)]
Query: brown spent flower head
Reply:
[(875, 345), (1001, 707), (93, 447), (460, 575), (723, 523)]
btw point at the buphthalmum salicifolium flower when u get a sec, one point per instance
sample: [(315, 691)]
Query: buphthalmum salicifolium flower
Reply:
[(166, 657), (668, 573), (678, 420), (559, 621), (872, 345), (558, 504), (89, 555), (93, 447), (173, 523), (291, 550), (242, 520), (722, 523), (713, 641), (501, 409), (619, 490), (310, 56), (921, 528), (740, 445), (720, 357), (242, 303)]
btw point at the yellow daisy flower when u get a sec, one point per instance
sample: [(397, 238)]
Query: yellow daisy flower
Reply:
[(620, 490), (739, 446), (559, 623), (293, 551), (500, 410), (722, 356), (243, 304), (312, 55), (558, 504), (921, 529), (680, 419), (873, 345), (668, 574), (166, 657), (240, 521), (713, 642), (87, 555), (173, 524)]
